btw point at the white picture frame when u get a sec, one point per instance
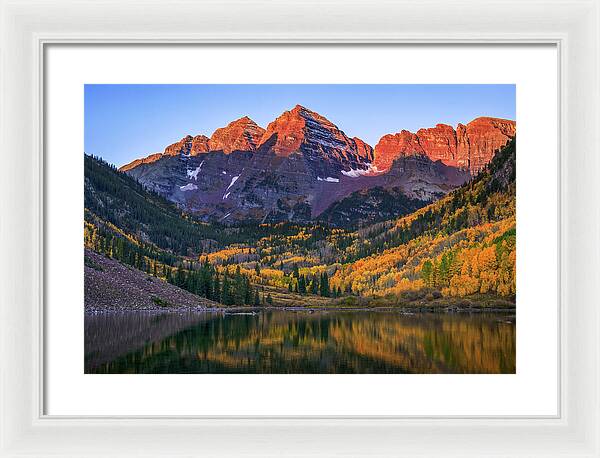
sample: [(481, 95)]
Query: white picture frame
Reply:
[(28, 26)]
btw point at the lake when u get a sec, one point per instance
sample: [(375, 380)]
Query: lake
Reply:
[(299, 342)]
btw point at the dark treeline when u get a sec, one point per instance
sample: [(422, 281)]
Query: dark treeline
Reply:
[(317, 284)]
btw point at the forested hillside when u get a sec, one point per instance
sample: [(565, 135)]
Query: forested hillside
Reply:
[(461, 245)]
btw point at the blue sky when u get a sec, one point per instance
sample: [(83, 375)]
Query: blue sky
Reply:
[(124, 122)]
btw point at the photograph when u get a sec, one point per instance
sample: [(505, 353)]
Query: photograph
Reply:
[(299, 228)]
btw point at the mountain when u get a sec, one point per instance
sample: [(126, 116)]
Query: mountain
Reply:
[(302, 164), (468, 147), (188, 146), (317, 138), (240, 135)]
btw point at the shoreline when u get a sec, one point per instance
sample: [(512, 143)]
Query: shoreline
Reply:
[(325, 309)]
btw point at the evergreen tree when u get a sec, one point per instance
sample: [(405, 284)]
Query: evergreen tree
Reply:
[(444, 270), (180, 277), (314, 285), (248, 296), (324, 290), (427, 273), (217, 289), (302, 284), (226, 296), (238, 287)]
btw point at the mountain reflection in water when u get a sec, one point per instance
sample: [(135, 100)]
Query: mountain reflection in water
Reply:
[(272, 341)]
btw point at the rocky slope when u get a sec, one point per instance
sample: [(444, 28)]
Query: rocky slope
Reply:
[(302, 163), (110, 285)]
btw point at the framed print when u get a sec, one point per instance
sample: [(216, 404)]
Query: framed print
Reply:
[(225, 235)]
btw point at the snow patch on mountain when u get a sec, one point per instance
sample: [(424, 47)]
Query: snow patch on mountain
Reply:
[(354, 173), (233, 180), (194, 173), (329, 179), (188, 187)]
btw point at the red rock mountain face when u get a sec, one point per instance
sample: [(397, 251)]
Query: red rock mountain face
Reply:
[(364, 150), (189, 146), (146, 160), (302, 164), (240, 135), (301, 129), (469, 147), (393, 146)]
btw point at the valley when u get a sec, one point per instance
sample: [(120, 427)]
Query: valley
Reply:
[(300, 215)]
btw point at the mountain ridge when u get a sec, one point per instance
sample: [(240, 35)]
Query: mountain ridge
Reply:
[(302, 163), (441, 142)]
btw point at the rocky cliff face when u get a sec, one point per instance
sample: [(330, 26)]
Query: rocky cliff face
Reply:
[(439, 143), (302, 164), (395, 146), (364, 150), (188, 146), (240, 135), (469, 147), (318, 140), (484, 136)]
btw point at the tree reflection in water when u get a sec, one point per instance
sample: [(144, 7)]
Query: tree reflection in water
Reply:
[(298, 342)]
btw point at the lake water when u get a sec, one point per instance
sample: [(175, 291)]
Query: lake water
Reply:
[(273, 341)]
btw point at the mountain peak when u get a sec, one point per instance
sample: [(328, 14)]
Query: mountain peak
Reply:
[(242, 120), (506, 127), (189, 146), (326, 148), (489, 119), (301, 109), (243, 134)]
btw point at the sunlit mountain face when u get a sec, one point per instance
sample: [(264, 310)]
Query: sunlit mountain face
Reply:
[(302, 165)]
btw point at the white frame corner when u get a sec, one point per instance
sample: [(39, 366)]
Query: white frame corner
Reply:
[(27, 26)]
